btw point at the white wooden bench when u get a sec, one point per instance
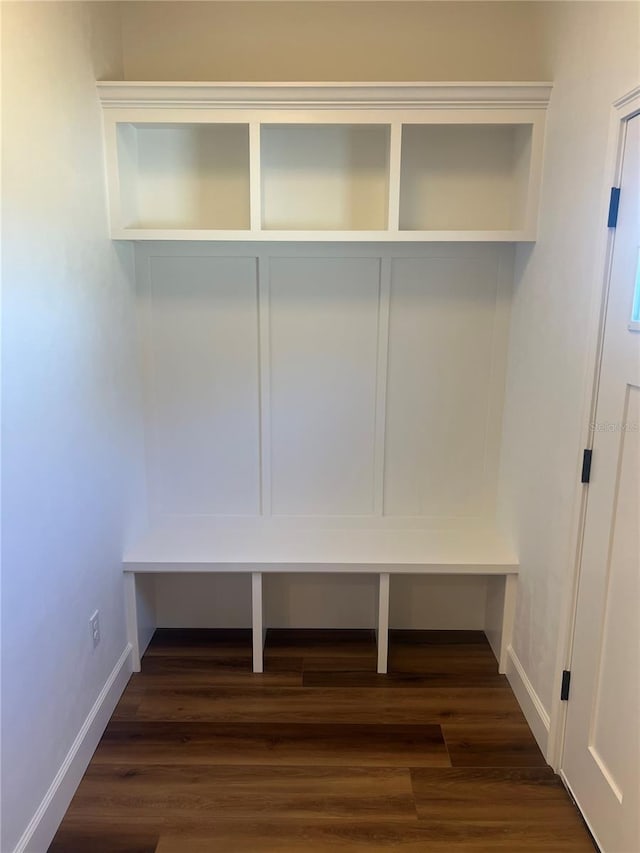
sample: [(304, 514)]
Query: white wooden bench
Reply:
[(264, 547)]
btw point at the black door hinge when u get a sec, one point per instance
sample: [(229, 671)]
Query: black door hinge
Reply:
[(566, 681), (614, 203), (586, 466)]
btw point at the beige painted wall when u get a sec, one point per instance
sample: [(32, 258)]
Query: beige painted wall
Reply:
[(334, 41)]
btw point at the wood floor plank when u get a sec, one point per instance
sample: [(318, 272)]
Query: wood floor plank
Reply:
[(332, 705), (200, 642), (442, 677), (312, 836), (148, 743), (334, 663), (127, 707), (219, 638), (522, 794), (463, 660), (114, 839), (321, 643), (508, 745), (162, 671), (345, 638), (190, 797), (407, 636)]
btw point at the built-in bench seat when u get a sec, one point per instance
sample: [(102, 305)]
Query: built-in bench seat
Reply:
[(261, 547)]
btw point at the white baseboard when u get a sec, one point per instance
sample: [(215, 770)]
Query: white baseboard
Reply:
[(43, 825), (536, 714)]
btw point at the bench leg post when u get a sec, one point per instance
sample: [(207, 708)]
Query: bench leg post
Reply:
[(257, 627), (131, 608), (383, 622), (508, 619)]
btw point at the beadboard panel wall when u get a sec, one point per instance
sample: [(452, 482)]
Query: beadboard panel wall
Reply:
[(326, 384)]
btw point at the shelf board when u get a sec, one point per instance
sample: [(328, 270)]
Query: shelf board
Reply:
[(406, 236), (258, 545)]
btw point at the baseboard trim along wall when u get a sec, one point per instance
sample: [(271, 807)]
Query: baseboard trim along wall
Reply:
[(536, 714), (43, 825)]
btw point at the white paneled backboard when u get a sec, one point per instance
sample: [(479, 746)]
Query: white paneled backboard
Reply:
[(200, 366), (341, 383), (323, 348), (441, 395)]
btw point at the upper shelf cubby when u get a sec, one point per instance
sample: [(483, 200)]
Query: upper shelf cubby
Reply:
[(320, 177), (465, 177), (300, 161), (184, 176)]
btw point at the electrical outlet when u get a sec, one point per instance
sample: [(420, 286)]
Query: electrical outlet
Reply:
[(94, 624)]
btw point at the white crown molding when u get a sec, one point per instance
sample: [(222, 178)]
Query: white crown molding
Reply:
[(129, 94), (628, 98)]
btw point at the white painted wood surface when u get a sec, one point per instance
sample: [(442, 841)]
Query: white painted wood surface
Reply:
[(359, 385), (601, 756), (199, 322), (323, 381), (445, 343), (324, 177), (185, 175), (258, 627), (382, 628), (499, 628), (119, 94), (464, 177), (140, 614), (323, 161), (194, 545), (131, 615), (500, 610)]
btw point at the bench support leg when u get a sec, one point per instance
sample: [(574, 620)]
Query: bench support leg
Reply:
[(508, 619), (131, 608), (140, 612), (383, 622), (258, 629), (500, 615)]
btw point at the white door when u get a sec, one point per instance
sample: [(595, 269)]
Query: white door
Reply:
[(601, 758)]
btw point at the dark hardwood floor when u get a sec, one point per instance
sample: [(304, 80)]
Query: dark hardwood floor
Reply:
[(319, 753)]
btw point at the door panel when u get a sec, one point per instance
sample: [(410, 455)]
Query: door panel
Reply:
[(602, 746)]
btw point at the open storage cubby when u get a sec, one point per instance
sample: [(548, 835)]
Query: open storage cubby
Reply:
[(464, 176), (404, 162), (184, 176), (325, 177)]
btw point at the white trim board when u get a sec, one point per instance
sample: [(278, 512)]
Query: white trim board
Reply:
[(534, 711), (43, 825), (129, 93)]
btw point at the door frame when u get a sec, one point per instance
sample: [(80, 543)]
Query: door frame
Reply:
[(623, 109)]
